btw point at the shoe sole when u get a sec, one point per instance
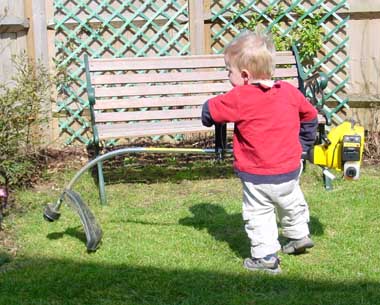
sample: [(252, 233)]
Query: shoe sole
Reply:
[(266, 270), (269, 271), (298, 249)]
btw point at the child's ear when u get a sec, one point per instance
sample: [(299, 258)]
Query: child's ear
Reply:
[(245, 75)]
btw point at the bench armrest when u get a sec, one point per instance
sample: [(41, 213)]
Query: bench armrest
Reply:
[(91, 96), (314, 89), (91, 101), (314, 86)]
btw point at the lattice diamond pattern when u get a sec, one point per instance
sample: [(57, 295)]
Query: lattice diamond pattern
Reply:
[(332, 59), (110, 29)]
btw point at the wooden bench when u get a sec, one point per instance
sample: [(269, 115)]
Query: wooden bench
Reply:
[(155, 96)]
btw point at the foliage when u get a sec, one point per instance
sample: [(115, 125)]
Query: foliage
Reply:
[(372, 137), (307, 33), (21, 117)]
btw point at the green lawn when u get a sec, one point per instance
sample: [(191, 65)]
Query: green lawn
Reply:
[(175, 236)]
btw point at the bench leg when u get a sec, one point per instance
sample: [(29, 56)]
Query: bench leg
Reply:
[(102, 190), (220, 140)]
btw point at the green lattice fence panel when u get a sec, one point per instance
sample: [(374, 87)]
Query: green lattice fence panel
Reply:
[(109, 29), (143, 28), (332, 58)]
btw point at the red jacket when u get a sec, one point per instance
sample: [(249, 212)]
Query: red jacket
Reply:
[(267, 126)]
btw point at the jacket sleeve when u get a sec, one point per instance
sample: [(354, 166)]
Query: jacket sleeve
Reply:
[(206, 116), (308, 133), (309, 124)]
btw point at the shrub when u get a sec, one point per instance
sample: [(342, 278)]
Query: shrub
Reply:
[(372, 139), (307, 35), (21, 117)]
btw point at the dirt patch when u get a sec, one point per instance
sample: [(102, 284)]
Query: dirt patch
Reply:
[(68, 157), (8, 247)]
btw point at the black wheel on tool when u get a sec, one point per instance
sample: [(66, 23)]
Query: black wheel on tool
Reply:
[(50, 214), (91, 227)]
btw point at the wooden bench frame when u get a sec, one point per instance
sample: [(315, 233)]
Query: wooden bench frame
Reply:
[(170, 90)]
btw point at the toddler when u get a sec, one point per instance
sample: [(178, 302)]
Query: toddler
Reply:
[(274, 123)]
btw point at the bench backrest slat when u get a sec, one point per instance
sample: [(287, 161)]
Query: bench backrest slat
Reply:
[(148, 115), (159, 90), (159, 77), (156, 63), (210, 88), (172, 62), (177, 101), (107, 79)]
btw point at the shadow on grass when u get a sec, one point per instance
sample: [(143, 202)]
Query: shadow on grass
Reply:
[(224, 227), (229, 228), (50, 281), (316, 227), (152, 168), (76, 232), (220, 225)]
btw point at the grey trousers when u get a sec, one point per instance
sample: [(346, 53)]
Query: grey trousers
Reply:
[(260, 203)]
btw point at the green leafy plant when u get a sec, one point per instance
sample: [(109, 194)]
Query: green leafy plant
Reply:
[(307, 34), (21, 117)]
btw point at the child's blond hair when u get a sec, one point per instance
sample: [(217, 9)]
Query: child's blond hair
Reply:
[(254, 52)]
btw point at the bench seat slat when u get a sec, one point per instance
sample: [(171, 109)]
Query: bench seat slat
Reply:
[(143, 129), (157, 115), (171, 62), (148, 115)]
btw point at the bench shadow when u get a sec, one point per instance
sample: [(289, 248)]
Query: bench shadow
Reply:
[(223, 227), (153, 168), (148, 167)]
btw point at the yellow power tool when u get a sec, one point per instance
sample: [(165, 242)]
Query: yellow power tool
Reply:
[(342, 150)]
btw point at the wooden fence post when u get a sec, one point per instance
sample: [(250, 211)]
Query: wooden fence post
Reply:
[(37, 50), (200, 26), (196, 21), (207, 26), (35, 11)]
